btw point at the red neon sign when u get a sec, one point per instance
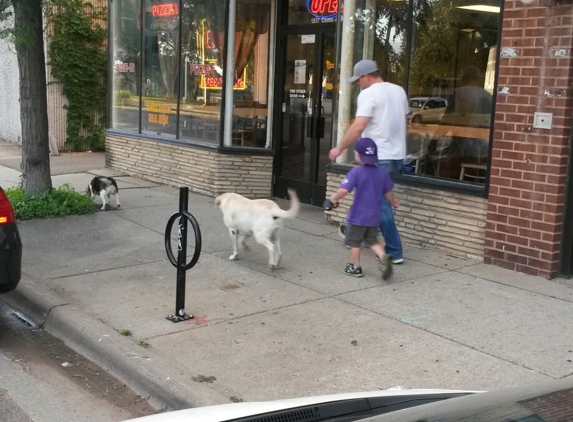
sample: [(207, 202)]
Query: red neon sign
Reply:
[(164, 10), (209, 43), (322, 7)]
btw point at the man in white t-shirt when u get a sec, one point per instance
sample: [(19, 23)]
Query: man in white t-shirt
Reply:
[(381, 116)]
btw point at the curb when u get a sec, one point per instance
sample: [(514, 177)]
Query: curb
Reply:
[(146, 373)]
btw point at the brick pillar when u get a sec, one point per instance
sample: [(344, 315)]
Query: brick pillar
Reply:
[(529, 165)]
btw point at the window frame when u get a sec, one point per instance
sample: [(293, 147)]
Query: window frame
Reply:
[(219, 144)]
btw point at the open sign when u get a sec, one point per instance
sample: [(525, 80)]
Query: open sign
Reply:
[(322, 9)]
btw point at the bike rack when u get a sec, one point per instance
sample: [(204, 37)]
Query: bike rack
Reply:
[(184, 218)]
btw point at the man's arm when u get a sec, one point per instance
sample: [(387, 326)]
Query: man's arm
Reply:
[(352, 135), (392, 199)]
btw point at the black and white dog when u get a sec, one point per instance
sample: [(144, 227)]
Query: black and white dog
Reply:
[(104, 187)]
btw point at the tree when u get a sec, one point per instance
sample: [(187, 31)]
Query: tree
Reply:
[(27, 35)]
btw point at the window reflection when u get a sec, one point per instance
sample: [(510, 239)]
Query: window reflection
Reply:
[(451, 79), (160, 72), (250, 92), (203, 57), (125, 53)]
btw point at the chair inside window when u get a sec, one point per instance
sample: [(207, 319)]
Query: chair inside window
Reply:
[(243, 128)]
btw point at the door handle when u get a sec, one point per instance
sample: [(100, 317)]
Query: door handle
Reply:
[(309, 123)]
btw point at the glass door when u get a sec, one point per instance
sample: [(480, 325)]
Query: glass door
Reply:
[(305, 113)]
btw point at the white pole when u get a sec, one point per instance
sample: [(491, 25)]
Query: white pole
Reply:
[(230, 74), (272, 55), (346, 68)]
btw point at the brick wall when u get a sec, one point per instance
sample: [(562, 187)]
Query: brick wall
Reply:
[(528, 165), (204, 171), (428, 217)]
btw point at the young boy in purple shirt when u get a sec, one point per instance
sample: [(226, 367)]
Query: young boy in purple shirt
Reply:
[(369, 183)]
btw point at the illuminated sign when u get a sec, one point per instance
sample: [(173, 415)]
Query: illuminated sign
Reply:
[(322, 9), (121, 67), (164, 9), (210, 78), (216, 82), (158, 119), (200, 69), (209, 43)]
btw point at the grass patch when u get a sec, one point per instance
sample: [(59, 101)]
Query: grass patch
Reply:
[(202, 378), (126, 333), (144, 344), (51, 203)]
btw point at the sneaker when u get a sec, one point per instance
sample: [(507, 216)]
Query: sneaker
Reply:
[(350, 269), (385, 266)]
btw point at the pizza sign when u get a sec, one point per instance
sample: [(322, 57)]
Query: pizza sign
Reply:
[(164, 10)]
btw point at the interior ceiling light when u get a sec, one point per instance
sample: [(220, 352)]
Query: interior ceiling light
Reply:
[(481, 8)]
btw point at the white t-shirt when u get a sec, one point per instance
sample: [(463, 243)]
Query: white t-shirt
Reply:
[(387, 105)]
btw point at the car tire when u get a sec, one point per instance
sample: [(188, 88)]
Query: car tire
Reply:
[(416, 120)]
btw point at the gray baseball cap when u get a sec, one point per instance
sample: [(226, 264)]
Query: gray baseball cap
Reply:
[(363, 67)]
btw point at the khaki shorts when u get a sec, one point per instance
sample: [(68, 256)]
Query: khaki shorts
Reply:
[(355, 235)]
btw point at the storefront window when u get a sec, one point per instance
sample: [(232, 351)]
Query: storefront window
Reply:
[(203, 61), (251, 79), (451, 82), (182, 86), (160, 70), (125, 53), (444, 54)]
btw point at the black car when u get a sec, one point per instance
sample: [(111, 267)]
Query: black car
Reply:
[(10, 246)]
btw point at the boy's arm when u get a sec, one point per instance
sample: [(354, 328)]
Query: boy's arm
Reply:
[(332, 202), (392, 199), (340, 193)]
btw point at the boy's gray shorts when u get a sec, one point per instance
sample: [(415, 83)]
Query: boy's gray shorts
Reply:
[(355, 235)]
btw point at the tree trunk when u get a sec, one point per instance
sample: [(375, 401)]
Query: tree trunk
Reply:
[(33, 103)]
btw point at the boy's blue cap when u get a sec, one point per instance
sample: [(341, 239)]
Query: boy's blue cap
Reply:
[(366, 148)]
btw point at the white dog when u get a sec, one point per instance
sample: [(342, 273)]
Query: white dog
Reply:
[(260, 218), (104, 187)]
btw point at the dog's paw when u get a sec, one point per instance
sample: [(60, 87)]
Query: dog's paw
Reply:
[(274, 267), (118, 205), (234, 257)]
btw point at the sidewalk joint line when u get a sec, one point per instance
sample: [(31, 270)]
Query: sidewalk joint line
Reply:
[(519, 288), (107, 269)]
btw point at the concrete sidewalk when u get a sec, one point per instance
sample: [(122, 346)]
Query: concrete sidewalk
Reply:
[(307, 329)]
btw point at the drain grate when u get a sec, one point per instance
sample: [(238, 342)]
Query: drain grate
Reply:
[(22, 318)]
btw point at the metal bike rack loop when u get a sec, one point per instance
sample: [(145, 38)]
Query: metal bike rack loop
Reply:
[(184, 218)]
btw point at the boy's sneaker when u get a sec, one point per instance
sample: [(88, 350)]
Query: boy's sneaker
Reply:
[(385, 266), (350, 269)]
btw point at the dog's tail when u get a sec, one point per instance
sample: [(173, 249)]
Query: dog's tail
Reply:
[(218, 201), (292, 212)]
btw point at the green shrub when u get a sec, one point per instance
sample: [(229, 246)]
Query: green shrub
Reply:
[(124, 93), (51, 203)]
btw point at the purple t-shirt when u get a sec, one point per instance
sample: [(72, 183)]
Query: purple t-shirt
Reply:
[(370, 184)]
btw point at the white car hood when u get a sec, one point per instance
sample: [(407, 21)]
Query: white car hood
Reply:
[(224, 412)]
